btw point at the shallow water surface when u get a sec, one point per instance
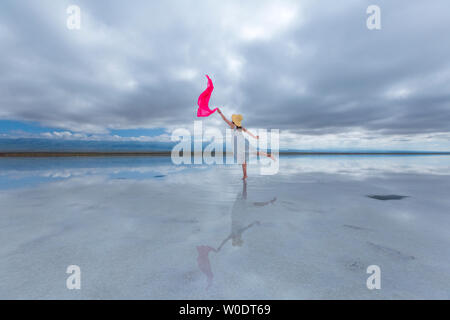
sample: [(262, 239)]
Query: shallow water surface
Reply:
[(143, 228)]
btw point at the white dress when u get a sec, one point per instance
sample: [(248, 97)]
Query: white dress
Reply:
[(241, 146)]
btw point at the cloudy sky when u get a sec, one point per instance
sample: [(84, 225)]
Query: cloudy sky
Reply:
[(309, 68)]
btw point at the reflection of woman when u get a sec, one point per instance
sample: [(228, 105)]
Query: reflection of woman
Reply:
[(239, 224), (240, 221)]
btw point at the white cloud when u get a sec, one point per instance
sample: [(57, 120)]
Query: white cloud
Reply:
[(365, 140), (399, 93), (185, 74), (261, 21)]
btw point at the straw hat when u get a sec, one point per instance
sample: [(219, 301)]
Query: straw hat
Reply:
[(237, 118)]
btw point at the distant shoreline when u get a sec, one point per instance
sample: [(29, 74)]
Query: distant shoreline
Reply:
[(43, 154)]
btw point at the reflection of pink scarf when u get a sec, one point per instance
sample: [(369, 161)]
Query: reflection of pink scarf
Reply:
[(204, 264), (203, 101)]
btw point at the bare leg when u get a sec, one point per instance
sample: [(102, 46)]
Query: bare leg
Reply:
[(244, 170), (267, 155)]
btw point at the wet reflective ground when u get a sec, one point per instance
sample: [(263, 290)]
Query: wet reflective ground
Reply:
[(142, 228)]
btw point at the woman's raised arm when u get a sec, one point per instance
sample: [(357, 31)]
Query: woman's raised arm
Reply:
[(225, 119), (251, 134)]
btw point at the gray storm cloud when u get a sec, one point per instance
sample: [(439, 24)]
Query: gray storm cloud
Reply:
[(308, 67)]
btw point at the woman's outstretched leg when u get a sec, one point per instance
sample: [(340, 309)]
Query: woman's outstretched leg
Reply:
[(261, 153)]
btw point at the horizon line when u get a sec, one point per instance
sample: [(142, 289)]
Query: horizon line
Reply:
[(37, 154)]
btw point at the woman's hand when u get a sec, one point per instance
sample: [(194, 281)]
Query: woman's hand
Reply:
[(257, 137)]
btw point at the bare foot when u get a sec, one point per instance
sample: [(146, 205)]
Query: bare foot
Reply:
[(245, 177)]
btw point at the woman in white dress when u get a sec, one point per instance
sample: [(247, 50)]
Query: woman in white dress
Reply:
[(241, 145)]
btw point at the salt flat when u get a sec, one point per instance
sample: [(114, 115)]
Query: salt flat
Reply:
[(142, 228)]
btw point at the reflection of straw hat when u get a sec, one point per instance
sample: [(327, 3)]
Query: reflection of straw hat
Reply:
[(237, 118)]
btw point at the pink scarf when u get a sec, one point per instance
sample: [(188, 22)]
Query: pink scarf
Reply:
[(203, 101)]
